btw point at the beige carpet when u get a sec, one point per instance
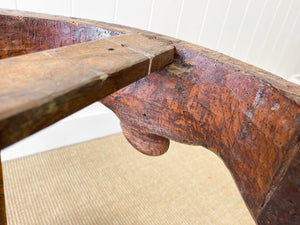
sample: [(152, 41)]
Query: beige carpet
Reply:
[(106, 181)]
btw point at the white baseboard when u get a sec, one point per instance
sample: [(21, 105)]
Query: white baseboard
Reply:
[(92, 122)]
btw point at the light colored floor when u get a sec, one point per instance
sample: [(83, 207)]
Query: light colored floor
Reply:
[(92, 122), (106, 181)]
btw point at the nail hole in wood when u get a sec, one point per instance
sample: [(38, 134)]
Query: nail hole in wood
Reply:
[(111, 49)]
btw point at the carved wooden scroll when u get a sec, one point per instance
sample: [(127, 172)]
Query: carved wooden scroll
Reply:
[(247, 116)]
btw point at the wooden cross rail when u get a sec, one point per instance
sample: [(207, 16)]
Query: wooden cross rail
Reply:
[(245, 115), (41, 88)]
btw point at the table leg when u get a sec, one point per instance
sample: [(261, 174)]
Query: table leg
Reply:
[(2, 200)]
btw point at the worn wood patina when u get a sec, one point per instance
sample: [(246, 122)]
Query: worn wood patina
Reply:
[(245, 115), (248, 117), (41, 88)]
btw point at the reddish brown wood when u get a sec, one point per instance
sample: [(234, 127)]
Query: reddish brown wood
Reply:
[(284, 205), (22, 35), (247, 116), (41, 88), (38, 89)]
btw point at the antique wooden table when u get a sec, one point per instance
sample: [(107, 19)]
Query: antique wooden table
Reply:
[(190, 94)]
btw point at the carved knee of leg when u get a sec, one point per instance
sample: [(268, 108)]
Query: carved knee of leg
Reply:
[(149, 144)]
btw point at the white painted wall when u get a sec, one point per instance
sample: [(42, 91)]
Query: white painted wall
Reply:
[(265, 33)]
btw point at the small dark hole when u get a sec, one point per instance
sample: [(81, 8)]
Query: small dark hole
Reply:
[(111, 49), (123, 45), (144, 114)]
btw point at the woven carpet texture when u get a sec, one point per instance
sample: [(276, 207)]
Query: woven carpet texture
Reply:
[(106, 181)]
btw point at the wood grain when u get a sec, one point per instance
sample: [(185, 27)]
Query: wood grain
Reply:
[(23, 35), (232, 108), (283, 206), (247, 116), (39, 89)]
